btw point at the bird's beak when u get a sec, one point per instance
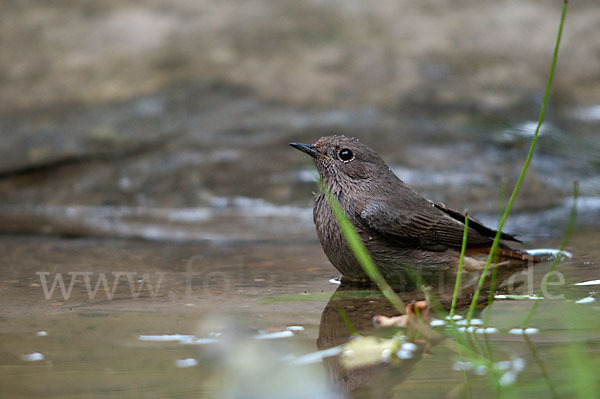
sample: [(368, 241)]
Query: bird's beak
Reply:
[(308, 149)]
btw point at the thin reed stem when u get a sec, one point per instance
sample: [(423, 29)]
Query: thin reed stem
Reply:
[(460, 265), (360, 251), (525, 165)]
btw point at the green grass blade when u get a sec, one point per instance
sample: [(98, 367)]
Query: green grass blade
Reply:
[(582, 372), (360, 251), (460, 266), (525, 165), (344, 316), (541, 366)]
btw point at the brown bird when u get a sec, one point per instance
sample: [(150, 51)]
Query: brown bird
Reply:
[(402, 230)]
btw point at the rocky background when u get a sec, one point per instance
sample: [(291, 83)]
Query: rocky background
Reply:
[(170, 119)]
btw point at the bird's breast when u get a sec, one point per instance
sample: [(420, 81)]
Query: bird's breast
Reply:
[(332, 239)]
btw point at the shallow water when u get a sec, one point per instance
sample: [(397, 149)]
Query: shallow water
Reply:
[(144, 165), (273, 289), (193, 269), (219, 288)]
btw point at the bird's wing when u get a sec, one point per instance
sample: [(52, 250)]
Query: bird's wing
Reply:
[(426, 225), (474, 223)]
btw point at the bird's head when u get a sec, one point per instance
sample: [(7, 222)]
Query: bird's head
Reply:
[(344, 161)]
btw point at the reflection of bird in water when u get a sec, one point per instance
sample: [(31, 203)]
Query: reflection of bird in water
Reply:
[(402, 230), (356, 305)]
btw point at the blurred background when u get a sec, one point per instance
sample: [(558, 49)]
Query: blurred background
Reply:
[(168, 119), (149, 136)]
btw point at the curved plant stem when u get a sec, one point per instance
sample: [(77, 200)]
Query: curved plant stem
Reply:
[(525, 166), (460, 265), (360, 251)]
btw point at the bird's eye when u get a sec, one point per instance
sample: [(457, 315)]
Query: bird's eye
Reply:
[(346, 155)]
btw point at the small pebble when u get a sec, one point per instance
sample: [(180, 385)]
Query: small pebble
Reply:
[(315, 357), (519, 331), (409, 346), (198, 341), (508, 378), (386, 355), (590, 282), (32, 357), (166, 337), (503, 365), (488, 330), (518, 364), (184, 363), (550, 252), (276, 335), (588, 299), (462, 366)]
